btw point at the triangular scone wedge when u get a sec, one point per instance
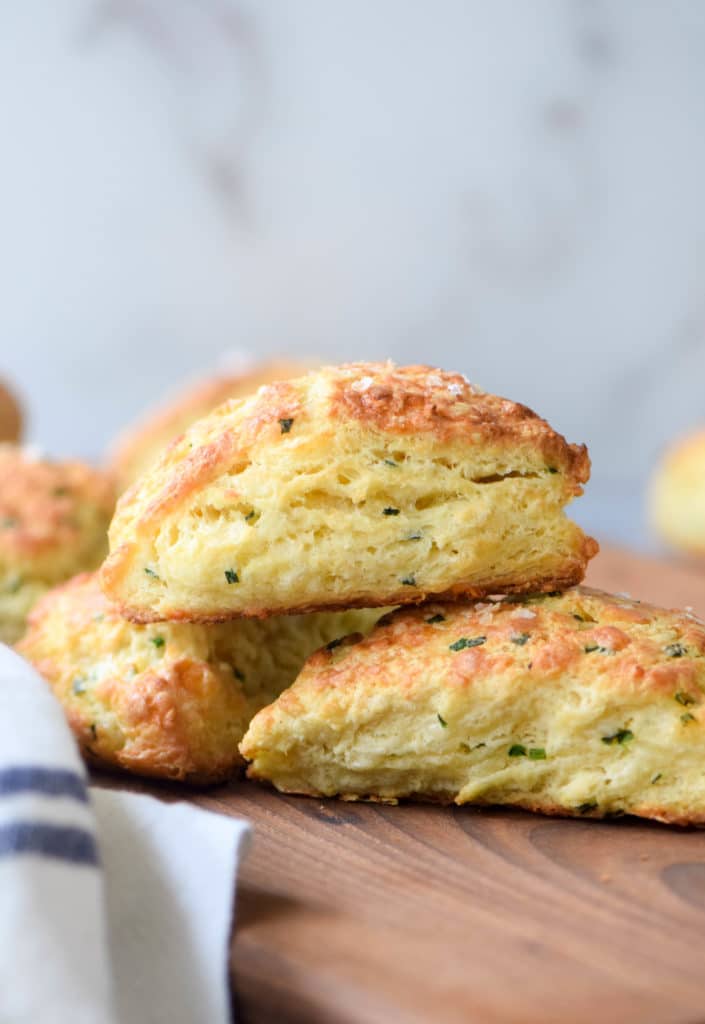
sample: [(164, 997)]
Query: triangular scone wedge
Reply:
[(168, 700), (354, 486), (581, 704)]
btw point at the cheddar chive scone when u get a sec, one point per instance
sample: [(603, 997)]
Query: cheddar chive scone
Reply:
[(579, 704), (166, 700), (138, 447), (54, 520), (354, 486), (10, 415), (677, 495)]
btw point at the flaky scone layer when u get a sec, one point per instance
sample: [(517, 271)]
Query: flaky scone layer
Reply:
[(138, 447), (359, 485), (579, 704), (166, 700), (54, 520)]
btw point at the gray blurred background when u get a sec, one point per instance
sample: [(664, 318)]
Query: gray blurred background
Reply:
[(513, 189)]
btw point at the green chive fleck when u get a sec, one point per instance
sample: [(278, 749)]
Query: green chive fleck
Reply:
[(537, 754), (442, 720), (621, 736), (416, 535), (286, 425), (151, 573), (250, 515), (79, 686), (551, 469), (520, 639), (391, 462), (158, 641), (597, 647), (390, 511), (656, 777), (578, 617), (467, 641), (231, 576), (334, 643), (408, 581), (589, 805), (676, 650), (517, 750), (684, 698), (686, 718), (8, 522), (436, 618)]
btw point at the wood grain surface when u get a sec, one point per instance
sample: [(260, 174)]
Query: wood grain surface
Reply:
[(426, 915)]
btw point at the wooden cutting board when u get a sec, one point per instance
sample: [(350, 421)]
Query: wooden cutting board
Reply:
[(427, 915)]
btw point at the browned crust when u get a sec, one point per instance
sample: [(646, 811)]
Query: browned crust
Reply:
[(458, 592), (165, 747), (654, 812), (10, 414), (422, 399), (41, 502)]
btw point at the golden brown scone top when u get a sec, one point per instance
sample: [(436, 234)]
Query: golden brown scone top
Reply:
[(607, 639), (138, 447), (46, 506), (422, 399), (10, 414)]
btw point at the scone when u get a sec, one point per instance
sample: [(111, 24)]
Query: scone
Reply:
[(354, 486), (10, 414), (578, 704), (54, 520), (140, 445), (677, 495), (166, 700)]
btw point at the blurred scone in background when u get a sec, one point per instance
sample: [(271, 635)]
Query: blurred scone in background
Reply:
[(677, 495)]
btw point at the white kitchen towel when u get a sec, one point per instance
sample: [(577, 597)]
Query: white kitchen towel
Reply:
[(115, 908)]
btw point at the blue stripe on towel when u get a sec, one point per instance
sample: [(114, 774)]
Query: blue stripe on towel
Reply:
[(61, 842), (45, 781)]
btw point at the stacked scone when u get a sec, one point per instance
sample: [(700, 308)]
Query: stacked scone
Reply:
[(252, 540)]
